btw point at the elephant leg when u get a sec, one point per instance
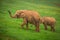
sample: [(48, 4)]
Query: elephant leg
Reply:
[(37, 27), (52, 28), (27, 25), (45, 25), (24, 23)]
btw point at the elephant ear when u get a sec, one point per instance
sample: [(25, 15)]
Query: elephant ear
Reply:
[(19, 12), (22, 15)]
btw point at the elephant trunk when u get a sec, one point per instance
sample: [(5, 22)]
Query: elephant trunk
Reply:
[(11, 14)]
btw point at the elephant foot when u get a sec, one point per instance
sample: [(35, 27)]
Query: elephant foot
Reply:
[(37, 30), (27, 28), (22, 27), (53, 30), (45, 28)]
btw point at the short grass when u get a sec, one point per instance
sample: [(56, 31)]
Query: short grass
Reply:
[(10, 28)]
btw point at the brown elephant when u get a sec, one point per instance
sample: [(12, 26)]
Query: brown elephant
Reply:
[(49, 21), (28, 17)]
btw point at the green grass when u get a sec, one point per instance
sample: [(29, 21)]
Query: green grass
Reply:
[(10, 28)]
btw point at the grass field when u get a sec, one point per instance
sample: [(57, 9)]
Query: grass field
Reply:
[(10, 28)]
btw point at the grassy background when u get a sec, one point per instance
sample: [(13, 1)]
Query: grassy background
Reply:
[(10, 28)]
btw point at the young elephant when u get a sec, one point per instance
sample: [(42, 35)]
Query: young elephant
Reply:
[(28, 17), (49, 21)]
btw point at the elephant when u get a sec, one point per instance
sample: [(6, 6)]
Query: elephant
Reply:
[(28, 16), (49, 21)]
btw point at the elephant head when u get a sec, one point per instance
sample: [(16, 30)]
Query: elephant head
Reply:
[(18, 14)]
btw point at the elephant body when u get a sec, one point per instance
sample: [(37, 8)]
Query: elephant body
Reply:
[(28, 16), (49, 21)]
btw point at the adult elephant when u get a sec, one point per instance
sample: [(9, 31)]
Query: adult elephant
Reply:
[(28, 16)]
